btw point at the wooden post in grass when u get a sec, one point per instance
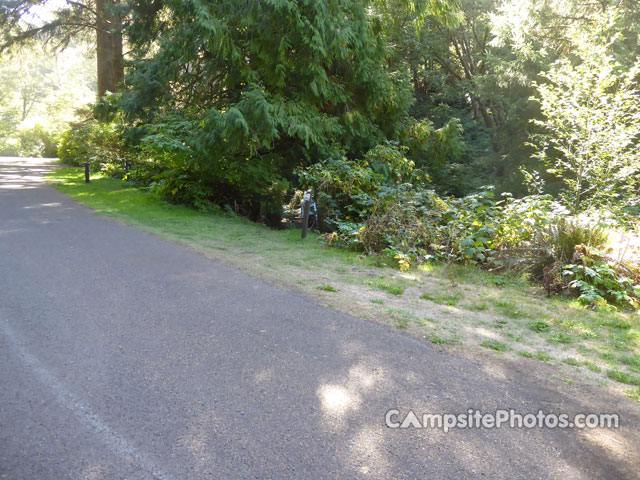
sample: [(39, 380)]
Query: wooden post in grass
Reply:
[(86, 173), (306, 206)]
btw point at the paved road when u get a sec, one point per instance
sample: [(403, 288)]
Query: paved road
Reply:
[(125, 356)]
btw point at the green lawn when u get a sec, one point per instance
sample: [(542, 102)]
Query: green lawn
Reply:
[(118, 199), (458, 307)]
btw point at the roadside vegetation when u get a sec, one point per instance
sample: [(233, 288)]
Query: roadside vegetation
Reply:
[(453, 306), (40, 95), (467, 158)]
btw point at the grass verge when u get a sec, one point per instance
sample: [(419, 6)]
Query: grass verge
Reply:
[(453, 306)]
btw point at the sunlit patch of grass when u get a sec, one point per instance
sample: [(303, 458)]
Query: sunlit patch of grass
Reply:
[(401, 317), (495, 345), (392, 289), (327, 288), (586, 332), (469, 274), (427, 322), (634, 394), (571, 361), (632, 361), (624, 340), (585, 350), (446, 299), (392, 286), (377, 301), (615, 322), (592, 366), (623, 377), (440, 340), (542, 356), (500, 323), (609, 357)]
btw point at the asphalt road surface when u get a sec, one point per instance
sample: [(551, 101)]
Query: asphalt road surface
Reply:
[(124, 356)]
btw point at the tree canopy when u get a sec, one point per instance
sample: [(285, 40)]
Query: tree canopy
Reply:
[(236, 97), (61, 23)]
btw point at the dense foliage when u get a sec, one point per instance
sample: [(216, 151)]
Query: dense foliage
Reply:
[(233, 96), (407, 224), (592, 126), (410, 121), (39, 95)]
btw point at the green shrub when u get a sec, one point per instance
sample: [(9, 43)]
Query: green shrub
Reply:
[(388, 160), (569, 233), (174, 164), (38, 142), (344, 190), (182, 187), (100, 144), (597, 282), (398, 226), (381, 205), (350, 191), (35, 141), (372, 205)]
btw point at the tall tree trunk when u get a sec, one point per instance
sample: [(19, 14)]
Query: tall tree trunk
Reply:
[(109, 47), (118, 63)]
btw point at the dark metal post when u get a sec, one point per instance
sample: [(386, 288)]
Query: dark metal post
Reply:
[(86, 173), (306, 206)]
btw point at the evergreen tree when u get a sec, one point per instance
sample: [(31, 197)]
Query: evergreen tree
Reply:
[(263, 86)]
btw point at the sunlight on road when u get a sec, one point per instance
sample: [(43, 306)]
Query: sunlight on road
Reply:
[(609, 441), (46, 205), (339, 398), (336, 399), (12, 179)]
